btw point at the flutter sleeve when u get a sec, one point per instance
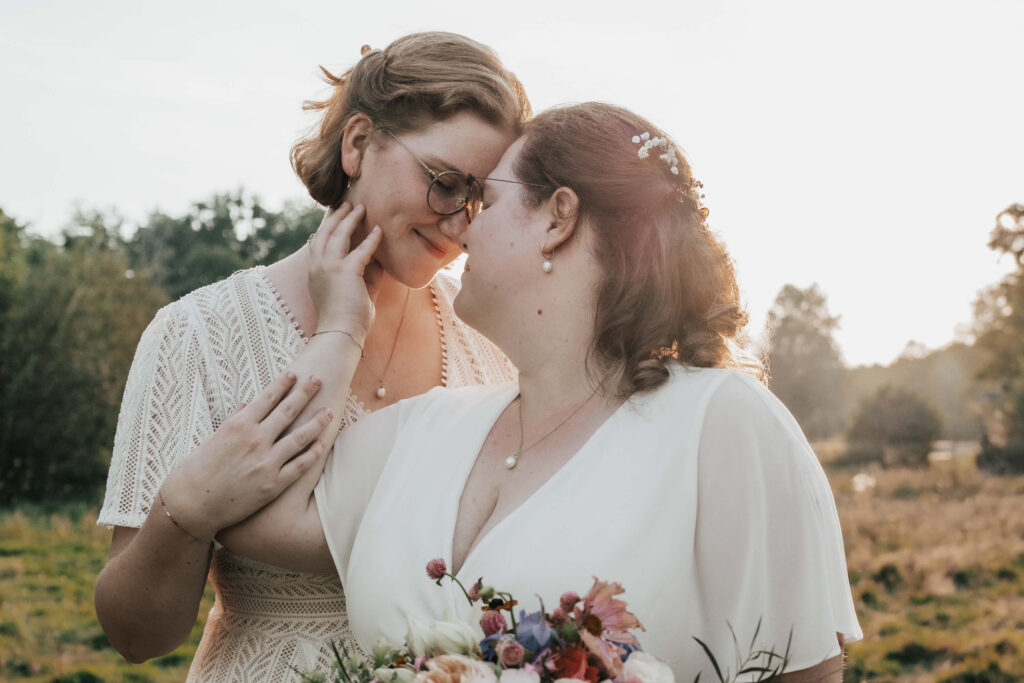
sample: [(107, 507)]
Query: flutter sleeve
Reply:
[(165, 414), (768, 545)]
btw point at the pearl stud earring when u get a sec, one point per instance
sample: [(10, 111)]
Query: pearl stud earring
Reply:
[(549, 254)]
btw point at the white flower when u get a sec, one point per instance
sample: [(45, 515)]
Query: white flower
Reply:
[(643, 153), (440, 638), (675, 171), (519, 676), (647, 668), (399, 675), (645, 136), (636, 139), (456, 669)]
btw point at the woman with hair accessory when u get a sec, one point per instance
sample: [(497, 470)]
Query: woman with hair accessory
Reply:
[(395, 137), (638, 443)]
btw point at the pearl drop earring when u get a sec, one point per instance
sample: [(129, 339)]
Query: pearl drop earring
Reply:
[(549, 254)]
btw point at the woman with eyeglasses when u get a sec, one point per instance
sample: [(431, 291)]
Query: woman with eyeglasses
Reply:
[(637, 444), (401, 136)]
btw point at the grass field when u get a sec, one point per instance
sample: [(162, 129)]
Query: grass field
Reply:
[(936, 562), (48, 629)]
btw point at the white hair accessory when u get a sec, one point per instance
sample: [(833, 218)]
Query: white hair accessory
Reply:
[(648, 143)]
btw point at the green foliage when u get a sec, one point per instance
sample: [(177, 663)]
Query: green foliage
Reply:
[(999, 319), (70, 323), (806, 371), (216, 237), (898, 425), (72, 314)]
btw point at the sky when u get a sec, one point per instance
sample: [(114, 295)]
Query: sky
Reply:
[(866, 147)]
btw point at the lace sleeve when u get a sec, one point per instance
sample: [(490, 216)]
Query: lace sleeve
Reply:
[(164, 414)]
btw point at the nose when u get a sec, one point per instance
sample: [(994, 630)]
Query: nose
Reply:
[(454, 226)]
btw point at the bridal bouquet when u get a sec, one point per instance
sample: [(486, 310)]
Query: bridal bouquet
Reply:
[(586, 638)]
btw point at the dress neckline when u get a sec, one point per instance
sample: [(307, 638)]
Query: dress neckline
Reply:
[(352, 401), (502, 401)]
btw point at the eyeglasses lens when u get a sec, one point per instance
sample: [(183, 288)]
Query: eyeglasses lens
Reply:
[(451, 192)]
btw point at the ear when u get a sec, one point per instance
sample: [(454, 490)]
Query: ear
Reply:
[(564, 207), (354, 141)]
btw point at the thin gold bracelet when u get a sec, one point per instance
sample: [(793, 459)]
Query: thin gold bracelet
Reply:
[(347, 334), (160, 495)]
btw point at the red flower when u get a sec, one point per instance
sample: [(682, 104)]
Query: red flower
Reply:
[(572, 663), (436, 569)]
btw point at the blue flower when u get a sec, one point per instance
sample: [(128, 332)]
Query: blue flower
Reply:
[(487, 647), (533, 631)]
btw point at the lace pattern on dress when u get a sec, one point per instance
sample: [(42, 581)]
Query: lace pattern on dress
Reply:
[(200, 357)]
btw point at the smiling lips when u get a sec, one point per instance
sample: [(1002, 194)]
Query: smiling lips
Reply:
[(431, 245)]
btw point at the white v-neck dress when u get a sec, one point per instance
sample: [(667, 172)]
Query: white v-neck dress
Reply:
[(702, 498)]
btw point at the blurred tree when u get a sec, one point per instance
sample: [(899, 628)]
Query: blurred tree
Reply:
[(72, 313), (276, 235), (999, 323), (806, 371), (192, 250), (896, 427), (69, 330), (216, 237), (947, 376)]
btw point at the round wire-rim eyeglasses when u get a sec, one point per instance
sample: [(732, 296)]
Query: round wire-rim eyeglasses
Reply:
[(450, 192)]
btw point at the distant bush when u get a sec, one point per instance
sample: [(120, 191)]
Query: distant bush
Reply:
[(894, 426)]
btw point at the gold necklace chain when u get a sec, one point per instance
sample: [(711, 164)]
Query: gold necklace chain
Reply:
[(381, 391), (513, 460)]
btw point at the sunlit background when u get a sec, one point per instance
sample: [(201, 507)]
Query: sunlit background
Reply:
[(864, 146)]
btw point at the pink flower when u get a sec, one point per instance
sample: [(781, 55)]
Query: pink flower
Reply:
[(474, 590), (493, 622), (604, 622), (568, 601), (510, 651), (558, 617), (436, 569)]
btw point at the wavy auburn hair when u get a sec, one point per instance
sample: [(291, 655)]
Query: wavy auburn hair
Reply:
[(668, 293), (417, 80)]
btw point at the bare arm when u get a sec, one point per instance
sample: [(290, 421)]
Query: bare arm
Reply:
[(287, 533), (147, 597)]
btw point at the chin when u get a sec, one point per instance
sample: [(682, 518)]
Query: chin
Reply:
[(412, 275), (470, 313)]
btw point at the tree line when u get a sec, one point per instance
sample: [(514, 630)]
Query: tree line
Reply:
[(73, 309), (965, 391), (71, 314)]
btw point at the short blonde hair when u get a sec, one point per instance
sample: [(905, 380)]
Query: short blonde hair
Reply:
[(416, 80)]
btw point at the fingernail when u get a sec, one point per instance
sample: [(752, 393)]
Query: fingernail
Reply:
[(314, 379), (290, 376), (330, 415)]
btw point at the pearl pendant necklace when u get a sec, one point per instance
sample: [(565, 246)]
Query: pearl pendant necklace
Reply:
[(513, 460), (381, 391)]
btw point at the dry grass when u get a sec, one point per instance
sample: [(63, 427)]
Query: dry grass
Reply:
[(936, 562)]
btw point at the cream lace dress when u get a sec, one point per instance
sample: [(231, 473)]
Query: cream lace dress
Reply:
[(202, 355)]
